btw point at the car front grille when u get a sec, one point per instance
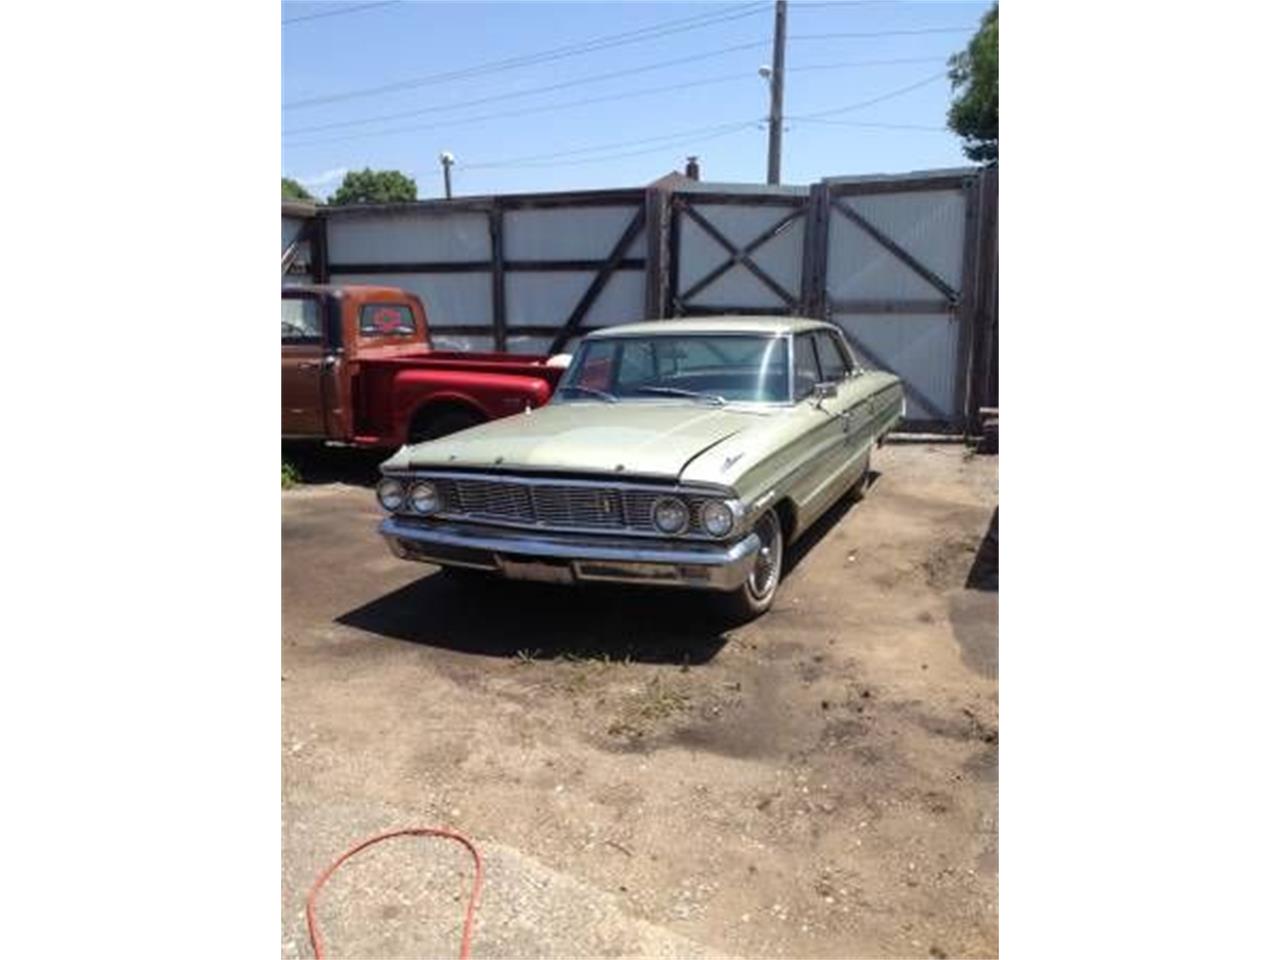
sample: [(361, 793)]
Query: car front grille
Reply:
[(558, 505)]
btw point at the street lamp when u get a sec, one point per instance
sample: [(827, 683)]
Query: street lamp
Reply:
[(446, 161)]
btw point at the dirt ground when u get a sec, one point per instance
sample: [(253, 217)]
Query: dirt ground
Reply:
[(641, 779)]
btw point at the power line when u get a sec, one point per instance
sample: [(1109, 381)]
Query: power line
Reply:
[(869, 35), (524, 111), (336, 13), (701, 133), (867, 123), (684, 134), (874, 100), (558, 53), (525, 93), (637, 153), (840, 65), (625, 95)]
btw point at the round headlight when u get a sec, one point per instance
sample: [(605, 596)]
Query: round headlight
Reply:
[(424, 498), (670, 515), (391, 494), (717, 518)]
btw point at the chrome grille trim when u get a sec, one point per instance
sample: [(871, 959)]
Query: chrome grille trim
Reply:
[(588, 506)]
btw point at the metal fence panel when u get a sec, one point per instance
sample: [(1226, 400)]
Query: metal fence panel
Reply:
[(859, 267), (545, 299), (928, 224), (408, 238), (567, 233)]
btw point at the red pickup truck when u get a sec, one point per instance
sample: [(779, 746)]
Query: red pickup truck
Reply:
[(357, 368)]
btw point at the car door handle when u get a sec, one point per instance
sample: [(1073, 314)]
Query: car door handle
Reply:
[(308, 365)]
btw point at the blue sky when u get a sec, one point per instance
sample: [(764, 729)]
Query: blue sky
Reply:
[(634, 133)]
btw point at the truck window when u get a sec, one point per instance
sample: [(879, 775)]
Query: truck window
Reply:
[(386, 320), (299, 320)]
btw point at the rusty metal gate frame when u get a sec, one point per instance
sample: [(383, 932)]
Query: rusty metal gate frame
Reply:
[(686, 203)]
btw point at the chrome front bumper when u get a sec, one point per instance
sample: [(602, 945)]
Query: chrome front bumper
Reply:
[(561, 558)]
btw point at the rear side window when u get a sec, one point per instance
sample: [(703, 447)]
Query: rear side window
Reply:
[(808, 373), (299, 320), (835, 365), (386, 320)]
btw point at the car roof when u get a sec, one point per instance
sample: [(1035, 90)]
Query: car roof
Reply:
[(720, 324)]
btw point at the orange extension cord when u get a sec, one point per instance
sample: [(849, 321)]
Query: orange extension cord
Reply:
[(313, 928)]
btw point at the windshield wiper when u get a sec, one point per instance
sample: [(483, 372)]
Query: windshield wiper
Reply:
[(718, 400), (582, 388)]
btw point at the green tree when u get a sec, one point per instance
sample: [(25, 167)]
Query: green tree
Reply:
[(291, 189), (975, 71), (375, 186)]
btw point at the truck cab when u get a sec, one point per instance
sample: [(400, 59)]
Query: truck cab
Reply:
[(357, 368)]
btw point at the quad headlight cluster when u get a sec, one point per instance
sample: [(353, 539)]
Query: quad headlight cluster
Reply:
[(671, 516), (421, 496)]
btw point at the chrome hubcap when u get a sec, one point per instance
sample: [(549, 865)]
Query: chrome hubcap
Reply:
[(765, 573)]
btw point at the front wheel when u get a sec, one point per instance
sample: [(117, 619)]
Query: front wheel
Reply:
[(756, 595)]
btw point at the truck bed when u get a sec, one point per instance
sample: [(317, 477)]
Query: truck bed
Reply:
[(528, 363)]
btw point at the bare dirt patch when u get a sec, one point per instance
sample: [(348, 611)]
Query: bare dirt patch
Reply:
[(820, 782)]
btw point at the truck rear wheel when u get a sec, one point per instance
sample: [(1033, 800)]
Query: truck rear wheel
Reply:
[(431, 425)]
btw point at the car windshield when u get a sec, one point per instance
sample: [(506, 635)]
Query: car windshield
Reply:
[(710, 368)]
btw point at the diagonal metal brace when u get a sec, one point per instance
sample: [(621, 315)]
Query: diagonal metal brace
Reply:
[(889, 244), (742, 256)]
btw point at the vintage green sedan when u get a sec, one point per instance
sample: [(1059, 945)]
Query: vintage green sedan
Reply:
[(678, 452)]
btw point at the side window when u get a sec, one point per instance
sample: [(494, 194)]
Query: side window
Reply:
[(835, 365), (299, 319), (386, 320), (808, 373)]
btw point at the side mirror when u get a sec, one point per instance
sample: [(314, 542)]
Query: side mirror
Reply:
[(825, 391)]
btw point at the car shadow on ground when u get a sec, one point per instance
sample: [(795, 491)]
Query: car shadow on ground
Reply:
[(316, 463), (796, 552), (984, 573), (974, 611), (493, 617), (486, 615)]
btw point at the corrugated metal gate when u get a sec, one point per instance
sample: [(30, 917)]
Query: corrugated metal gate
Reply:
[(895, 278), (906, 265)]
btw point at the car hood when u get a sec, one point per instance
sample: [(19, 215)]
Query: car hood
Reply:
[(650, 439)]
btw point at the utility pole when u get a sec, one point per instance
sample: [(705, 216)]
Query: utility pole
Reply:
[(775, 90), (446, 161)]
